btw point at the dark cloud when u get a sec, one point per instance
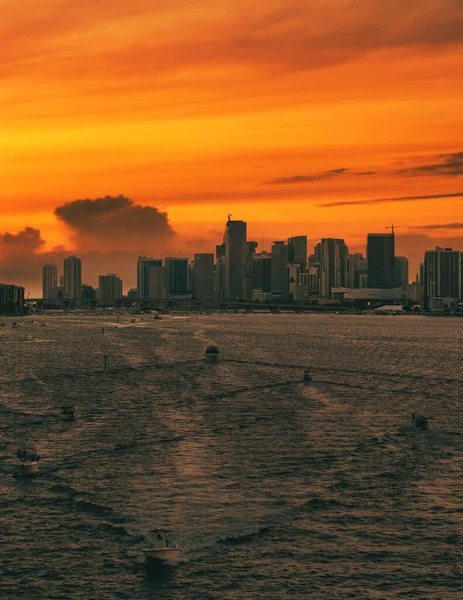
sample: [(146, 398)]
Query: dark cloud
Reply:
[(308, 178), (438, 226), (448, 165), (396, 199), (29, 240), (116, 223)]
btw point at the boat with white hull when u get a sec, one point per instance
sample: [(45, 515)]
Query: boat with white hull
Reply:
[(212, 353), (162, 550), (26, 461)]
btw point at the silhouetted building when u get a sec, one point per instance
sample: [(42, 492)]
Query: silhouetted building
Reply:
[(72, 278), (110, 287), (49, 282), (296, 292), (332, 257), (234, 260), (297, 250), (310, 279), (380, 257), (88, 293), (262, 276), (176, 274), (356, 267), (220, 272), (143, 265), (11, 299), (156, 283), (280, 281), (401, 273), (248, 281), (203, 285), (442, 279)]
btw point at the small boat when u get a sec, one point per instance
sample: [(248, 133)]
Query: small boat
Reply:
[(27, 461), (162, 550), (419, 422), (28, 338), (16, 324), (307, 376), (68, 412), (212, 353)]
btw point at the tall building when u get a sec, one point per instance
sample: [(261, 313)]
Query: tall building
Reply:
[(297, 250), (204, 277), (401, 273), (110, 287), (220, 272), (356, 267), (248, 282), (332, 258), (176, 274), (280, 280), (380, 257), (296, 293), (262, 276), (234, 260), (442, 279), (11, 299), (49, 282), (143, 266), (156, 283), (72, 278)]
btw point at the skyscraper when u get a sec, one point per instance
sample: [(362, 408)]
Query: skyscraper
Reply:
[(280, 282), (72, 278), (332, 258), (156, 283), (143, 266), (110, 287), (401, 273), (442, 279), (49, 282), (176, 274), (234, 260), (297, 250), (380, 257), (262, 276), (356, 267), (204, 277)]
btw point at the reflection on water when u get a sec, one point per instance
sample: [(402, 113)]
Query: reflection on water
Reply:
[(272, 486)]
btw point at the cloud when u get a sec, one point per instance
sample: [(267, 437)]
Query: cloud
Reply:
[(395, 199), (438, 226), (28, 240), (448, 165), (308, 178), (116, 223)]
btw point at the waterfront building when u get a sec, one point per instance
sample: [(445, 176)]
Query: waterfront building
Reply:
[(203, 282), (11, 299), (248, 282), (262, 276), (310, 279), (380, 258), (280, 280), (442, 279), (233, 259), (143, 265), (356, 266), (156, 283), (401, 273), (49, 282), (176, 275), (332, 257), (72, 278), (297, 250), (109, 288)]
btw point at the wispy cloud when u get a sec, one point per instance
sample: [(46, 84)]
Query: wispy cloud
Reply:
[(438, 226), (443, 165), (395, 199), (308, 178)]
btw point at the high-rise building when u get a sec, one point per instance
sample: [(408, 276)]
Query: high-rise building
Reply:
[(156, 283), (110, 287), (248, 282), (380, 257), (220, 272), (49, 282), (297, 250), (234, 260), (262, 276), (176, 273), (294, 282), (143, 266), (280, 280), (332, 257), (72, 278), (11, 299), (204, 277), (401, 273), (442, 279), (356, 267)]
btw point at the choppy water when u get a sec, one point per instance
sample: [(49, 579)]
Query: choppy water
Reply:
[(274, 489)]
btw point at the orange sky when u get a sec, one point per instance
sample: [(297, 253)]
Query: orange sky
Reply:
[(267, 109)]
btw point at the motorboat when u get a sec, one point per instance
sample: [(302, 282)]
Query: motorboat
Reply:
[(16, 325), (27, 461), (212, 353), (307, 376), (68, 412), (161, 549), (419, 422)]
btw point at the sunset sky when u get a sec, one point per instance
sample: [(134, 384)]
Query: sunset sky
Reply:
[(331, 118)]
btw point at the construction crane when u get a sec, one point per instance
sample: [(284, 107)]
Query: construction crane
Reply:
[(229, 217), (393, 227)]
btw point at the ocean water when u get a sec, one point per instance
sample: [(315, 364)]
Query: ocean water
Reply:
[(274, 489)]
